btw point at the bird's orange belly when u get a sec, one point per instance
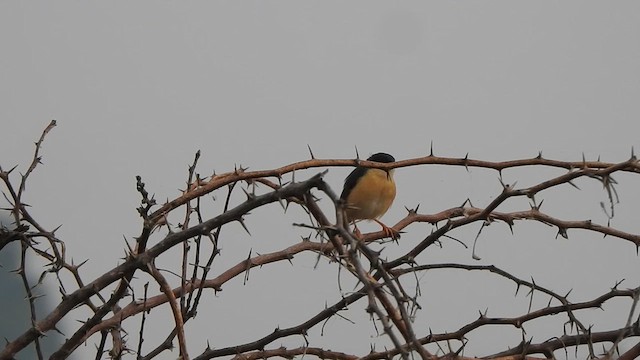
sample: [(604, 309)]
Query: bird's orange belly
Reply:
[(372, 197)]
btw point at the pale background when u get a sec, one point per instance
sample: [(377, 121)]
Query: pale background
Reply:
[(138, 87)]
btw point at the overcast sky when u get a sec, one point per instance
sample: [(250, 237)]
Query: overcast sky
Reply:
[(138, 87)]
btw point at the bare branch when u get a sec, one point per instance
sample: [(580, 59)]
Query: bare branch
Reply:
[(385, 293)]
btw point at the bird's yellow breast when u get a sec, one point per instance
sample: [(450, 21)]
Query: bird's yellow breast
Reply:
[(372, 195)]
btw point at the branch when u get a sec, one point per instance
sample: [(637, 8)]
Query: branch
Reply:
[(138, 261)]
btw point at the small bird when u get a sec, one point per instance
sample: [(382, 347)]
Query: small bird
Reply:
[(368, 193)]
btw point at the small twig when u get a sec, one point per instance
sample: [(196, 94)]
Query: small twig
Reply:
[(143, 319), (36, 157), (30, 296), (177, 314)]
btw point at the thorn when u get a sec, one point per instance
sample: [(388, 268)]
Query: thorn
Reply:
[(244, 226), (431, 149), (250, 196), (504, 186), (412, 211), (568, 292), (289, 258), (633, 155), (58, 330), (459, 351), (310, 152), (539, 155), (574, 185), (82, 263), (53, 232), (282, 205), (40, 279), (535, 206), (129, 248), (246, 271), (283, 184), (562, 232), (466, 159), (357, 155), (11, 170), (617, 284), (530, 294), (238, 169)]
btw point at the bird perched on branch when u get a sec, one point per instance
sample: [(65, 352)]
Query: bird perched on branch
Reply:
[(368, 193)]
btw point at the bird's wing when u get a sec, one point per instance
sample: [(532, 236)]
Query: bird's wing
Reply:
[(351, 181)]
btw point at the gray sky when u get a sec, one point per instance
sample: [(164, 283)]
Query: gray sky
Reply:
[(138, 87)]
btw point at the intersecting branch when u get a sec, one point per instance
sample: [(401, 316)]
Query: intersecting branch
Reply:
[(382, 280)]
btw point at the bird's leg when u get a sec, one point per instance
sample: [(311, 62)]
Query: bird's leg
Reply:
[(356, 231), (388, 232)]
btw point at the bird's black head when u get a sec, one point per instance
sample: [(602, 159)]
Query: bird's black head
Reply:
[(381, 157)]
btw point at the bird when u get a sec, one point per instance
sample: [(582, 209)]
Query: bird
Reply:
[(368, 193)]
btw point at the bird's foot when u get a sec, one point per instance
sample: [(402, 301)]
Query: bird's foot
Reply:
[(388, 231)]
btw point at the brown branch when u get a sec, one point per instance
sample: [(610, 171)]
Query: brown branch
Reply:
[(373, 292), (288, 253), (215, 283), (220, 180), (36, 157), (167, 344), (631, 354), (278, 333), (139, 261), (175, 309), (564, 341), (31, 299), (283, 352), (382, 286)]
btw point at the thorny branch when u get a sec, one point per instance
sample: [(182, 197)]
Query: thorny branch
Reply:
[(382, 281)]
